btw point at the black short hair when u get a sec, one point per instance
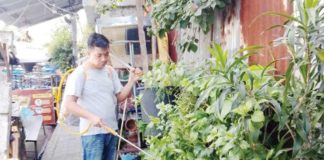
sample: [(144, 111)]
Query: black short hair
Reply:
[(97, 40)]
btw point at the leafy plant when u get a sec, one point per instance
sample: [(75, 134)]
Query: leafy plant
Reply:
[(305, 92), (164, 74), (230, 110), (165, 78), (219, 112), (60, 49), (170, 14)]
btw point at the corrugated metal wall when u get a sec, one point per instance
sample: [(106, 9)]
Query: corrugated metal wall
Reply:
[(255, 34), (227, 27)]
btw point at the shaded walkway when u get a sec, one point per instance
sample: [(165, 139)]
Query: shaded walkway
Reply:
[(63, 145)]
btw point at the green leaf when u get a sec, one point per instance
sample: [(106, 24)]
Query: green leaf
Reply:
[(303, 70), (251, 78), (287, 81), (320, 54), (227, 147), (244, 145), (274, 27), (226, 108), (204, 96), (297, 144), (193, 47), (219, 103), (193, 135), (253, 132), (267, 67), (257, 116), (252, 51), (244, 108), (310, 3), (289, 17), (269, 154)]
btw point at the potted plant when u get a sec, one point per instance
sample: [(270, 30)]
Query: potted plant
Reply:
[(162, 84)]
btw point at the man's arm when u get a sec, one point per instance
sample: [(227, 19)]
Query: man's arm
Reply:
[(134, 76), (75, 109), (123, 94)]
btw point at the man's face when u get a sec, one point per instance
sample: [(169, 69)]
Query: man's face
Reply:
[(98, 57)]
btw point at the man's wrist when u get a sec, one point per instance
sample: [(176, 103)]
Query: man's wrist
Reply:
[(132, 81)]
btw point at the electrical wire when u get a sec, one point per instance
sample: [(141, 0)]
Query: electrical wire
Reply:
[(49, 8), (58, 8), (21, 14), (78, 21), (55, 11)]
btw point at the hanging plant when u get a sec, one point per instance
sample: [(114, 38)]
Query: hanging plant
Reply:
[(170, 14), (102, 8)]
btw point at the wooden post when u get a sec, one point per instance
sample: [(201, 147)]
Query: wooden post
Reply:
[(141, 34), (5, 105), (154, 55), (74, 39)]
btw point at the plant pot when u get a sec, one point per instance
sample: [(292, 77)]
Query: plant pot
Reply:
[(150, 100), (130, 125), (133, 138)]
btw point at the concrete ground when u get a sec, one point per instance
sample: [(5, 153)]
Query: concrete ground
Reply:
[(43, 139), (63, 145), (55, 144)]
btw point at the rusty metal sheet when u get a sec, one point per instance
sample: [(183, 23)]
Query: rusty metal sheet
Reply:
[(254, 30)]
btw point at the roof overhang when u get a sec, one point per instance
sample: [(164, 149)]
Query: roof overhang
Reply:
[(25, 13)]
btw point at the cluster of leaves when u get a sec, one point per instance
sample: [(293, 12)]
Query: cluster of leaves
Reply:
[(107, 6), (220, 113), (230, 110), (165, 78), (164, 74), (183, 13), (60, 49), (170, 14)]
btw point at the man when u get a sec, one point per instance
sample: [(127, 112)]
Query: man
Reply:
[(92, 92)]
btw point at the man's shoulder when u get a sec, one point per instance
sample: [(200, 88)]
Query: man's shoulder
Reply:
[(78, 72)]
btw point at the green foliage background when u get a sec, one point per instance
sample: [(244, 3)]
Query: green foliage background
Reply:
[(60, 48)]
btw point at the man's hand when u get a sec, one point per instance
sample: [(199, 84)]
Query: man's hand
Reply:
[(96, 121), (135, 74)]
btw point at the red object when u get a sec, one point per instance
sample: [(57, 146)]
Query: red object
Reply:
[(130, 125), (172, 37), (254, 30), (40, 101), (133, 138)]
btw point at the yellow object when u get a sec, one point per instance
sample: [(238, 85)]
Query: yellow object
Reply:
[(59, 91), (58, 97), (54, 92), (163, 47)]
